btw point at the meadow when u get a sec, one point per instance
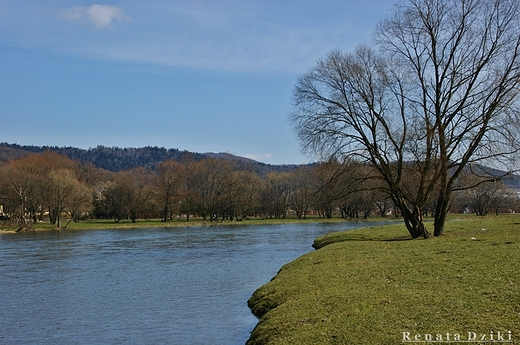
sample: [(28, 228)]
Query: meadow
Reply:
[(378, 286)]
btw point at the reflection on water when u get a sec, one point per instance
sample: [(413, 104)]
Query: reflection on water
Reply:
[(186, 285)]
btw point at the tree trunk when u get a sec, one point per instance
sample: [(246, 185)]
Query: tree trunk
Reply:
[(165, 212), (414, 223), (68, 222), (441, 211)]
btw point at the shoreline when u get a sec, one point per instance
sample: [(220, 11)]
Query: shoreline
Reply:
[(374, 285), (156, 223)]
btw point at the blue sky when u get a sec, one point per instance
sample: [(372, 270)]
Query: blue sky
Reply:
[(203, 76)]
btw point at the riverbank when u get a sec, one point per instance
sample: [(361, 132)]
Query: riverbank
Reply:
[(377, 286), (158, 223)]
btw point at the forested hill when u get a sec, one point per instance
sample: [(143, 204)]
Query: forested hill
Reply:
[(116, 159)]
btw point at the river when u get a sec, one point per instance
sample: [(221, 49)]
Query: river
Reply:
[(181, 285)]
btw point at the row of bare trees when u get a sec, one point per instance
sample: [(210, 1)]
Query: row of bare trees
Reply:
[(48, 187), (215, 190)]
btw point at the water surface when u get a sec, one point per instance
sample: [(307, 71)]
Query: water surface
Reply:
[(183, 285)]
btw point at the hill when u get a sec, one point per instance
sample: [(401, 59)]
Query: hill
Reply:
[(116, 159)]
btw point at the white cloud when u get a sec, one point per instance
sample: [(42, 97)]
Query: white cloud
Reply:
[(265, 156), (101, 16), (224, 35)]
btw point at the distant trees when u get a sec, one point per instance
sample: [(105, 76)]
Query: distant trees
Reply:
[(246, 193), (64, 191), (40, 184), (107, 158), (53, 188), (240, 199), (23, 188), (303, 185), (136, 185), (126, 195), (438, 93), (170, 180), (482, 195), (212, 179), (219, 190), (274, 197)]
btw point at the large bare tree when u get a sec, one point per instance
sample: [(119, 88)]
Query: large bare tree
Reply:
[(437, 93)]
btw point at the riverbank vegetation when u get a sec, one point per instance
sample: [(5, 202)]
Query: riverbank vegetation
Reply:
[(49, 190), (375, 285)]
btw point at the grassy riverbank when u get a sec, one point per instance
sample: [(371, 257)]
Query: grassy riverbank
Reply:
[(369, 286)]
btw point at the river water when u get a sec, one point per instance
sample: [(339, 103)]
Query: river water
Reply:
[(182, 285)]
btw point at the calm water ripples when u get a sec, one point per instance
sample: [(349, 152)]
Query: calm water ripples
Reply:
[(186, 285)]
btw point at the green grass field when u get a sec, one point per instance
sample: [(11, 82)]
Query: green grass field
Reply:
[(376, 286)]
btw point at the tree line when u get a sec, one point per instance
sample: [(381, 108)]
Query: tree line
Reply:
[(54, 188)]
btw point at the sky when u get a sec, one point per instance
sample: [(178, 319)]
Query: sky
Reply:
[(196, 75)]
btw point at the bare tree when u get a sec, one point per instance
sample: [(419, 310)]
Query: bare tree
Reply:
[(331, 185), (210, 179), (275, 194), (110, 199), (62, 187), (137, 190), (240, 197), (80, 201), (439, 95), (23, 180), (169, 182), (302, 185)]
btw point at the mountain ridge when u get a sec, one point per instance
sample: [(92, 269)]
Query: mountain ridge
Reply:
[(116, 159)]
